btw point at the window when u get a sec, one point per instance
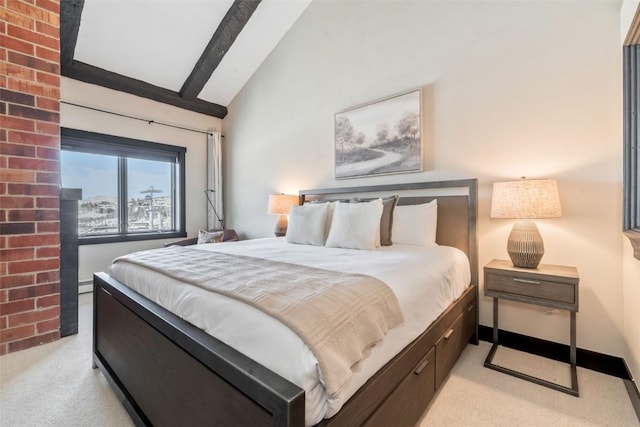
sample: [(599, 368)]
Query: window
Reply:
[(631, 174), (131, 189)]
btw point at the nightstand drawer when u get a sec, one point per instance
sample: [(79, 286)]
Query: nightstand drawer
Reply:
[(533, 288)]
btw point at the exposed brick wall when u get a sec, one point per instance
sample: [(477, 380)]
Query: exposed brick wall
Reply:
[(29, 173)]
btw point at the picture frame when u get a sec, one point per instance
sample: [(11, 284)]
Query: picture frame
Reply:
[(380, 137)]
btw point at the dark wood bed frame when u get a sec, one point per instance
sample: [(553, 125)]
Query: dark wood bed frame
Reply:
[(168, 372)]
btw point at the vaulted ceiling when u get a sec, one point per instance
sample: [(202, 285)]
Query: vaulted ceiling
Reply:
[(194, 54)]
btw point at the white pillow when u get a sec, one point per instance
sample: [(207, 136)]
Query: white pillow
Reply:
[(377, 201), (415, 224), (307, 224), (331, 206), (355, 225)]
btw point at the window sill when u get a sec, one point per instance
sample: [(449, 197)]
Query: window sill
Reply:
[(634, 235), (94, 240)]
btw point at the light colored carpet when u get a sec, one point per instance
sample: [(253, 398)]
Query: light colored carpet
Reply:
[(496, 399), (54, 385)]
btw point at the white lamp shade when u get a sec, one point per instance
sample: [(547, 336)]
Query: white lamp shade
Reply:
[(526, 199), (280, 204)]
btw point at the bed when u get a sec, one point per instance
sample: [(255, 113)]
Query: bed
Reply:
[(167, 371)]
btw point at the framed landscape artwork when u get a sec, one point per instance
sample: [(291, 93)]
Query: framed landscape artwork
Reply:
[(383, 137)]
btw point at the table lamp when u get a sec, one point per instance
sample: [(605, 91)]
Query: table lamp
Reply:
[(525, 200), (280, 204)]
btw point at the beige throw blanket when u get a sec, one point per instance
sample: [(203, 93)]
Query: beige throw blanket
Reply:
[(338, 315)]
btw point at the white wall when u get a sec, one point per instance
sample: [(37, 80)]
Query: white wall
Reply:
[(631, 272), (94, 258), (510, 89)]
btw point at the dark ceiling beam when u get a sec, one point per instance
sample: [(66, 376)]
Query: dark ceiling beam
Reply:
[(227, 32), (94, 75), (70, 14)]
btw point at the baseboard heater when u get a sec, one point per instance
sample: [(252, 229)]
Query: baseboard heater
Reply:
[(85, 286)]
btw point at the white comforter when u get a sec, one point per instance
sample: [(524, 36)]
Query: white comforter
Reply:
[(426, 281)]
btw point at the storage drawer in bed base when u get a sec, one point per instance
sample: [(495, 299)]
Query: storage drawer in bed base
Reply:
[(413, 393), (414, 381), (417, 388), (451, 343)]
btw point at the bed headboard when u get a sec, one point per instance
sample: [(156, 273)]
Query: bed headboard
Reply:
[(457, 209)]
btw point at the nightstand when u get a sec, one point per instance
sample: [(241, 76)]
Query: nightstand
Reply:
[(551, 286)]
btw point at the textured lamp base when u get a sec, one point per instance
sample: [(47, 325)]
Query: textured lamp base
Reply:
[(525, 246), (281, 226)]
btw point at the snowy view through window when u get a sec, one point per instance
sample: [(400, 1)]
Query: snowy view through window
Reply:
[(148, 186)]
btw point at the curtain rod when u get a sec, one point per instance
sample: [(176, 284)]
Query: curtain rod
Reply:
[(151, 122)]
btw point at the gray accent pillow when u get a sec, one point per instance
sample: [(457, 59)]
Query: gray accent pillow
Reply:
[(386, 221)]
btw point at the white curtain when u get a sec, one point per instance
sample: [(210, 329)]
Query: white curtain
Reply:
[(214, 180)]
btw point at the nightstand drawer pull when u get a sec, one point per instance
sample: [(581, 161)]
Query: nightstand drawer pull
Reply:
[(533, 282), (421, 366), (448, 334)]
